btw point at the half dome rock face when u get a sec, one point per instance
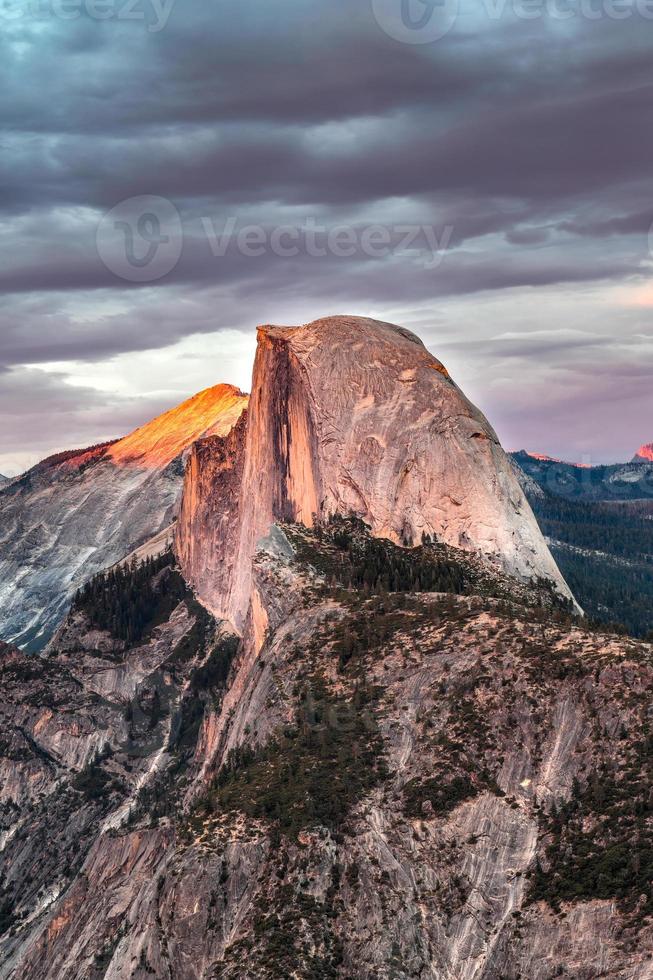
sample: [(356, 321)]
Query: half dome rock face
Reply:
[(644, 454), (350, 415), (79, 512)]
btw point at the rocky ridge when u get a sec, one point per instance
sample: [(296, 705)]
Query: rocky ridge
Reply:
[(79, 512), (617, 482)]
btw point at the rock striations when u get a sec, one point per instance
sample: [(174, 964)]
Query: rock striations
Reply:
[(350, 415), (78, 512)]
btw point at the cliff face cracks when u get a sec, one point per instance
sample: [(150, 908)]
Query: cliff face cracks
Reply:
[(350, 415)]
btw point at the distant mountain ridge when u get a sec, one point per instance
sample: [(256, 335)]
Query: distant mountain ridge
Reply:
[(71, 456), (544, 458), (618, 481), (644, 454), (598, 523)]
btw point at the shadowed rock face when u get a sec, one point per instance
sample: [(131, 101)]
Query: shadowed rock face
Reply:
[(79, 512), (209, 511), (348, 415)]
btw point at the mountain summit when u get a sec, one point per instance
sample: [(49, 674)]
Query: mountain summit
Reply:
[(353, 416), (81, 511), (644, 454), (213, 411)]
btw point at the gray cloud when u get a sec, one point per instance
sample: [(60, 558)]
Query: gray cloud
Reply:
[(41, 413), (530, 141)]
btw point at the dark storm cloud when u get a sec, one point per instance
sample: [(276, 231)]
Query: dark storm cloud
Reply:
[(287, 63), (527, 236), (530, 141), (205, 291), (628, 224), (539, 154), (453, 269), (218, 103)]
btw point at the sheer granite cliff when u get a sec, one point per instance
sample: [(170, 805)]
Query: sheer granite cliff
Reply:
[(350, 415), (79, 512)]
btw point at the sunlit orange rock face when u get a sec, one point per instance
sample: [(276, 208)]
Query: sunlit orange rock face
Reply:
[(156, 444), (644, 454)]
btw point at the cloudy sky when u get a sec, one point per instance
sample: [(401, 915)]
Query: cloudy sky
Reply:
[(176, 171)]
